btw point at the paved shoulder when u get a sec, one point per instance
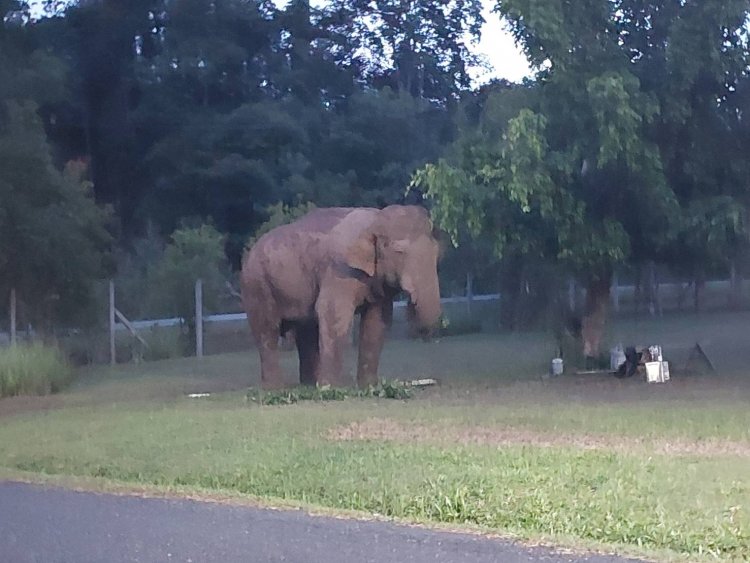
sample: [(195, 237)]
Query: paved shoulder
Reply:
[(50, 525)]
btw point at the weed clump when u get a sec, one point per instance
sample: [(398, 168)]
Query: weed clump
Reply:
[(383, 390), (33, 369)]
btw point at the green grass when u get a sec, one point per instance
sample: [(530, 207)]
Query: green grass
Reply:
[(580, 461), (688, 505), (32, 369)]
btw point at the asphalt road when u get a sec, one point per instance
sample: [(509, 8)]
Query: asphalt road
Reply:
[(50, 525)]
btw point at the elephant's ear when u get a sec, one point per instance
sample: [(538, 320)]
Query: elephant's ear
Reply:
[(360, 255)]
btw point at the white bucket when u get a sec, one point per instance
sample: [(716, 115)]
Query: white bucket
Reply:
[(652, 372), (657, 372), (557, 367)]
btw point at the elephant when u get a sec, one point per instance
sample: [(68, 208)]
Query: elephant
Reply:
[(314, 275)]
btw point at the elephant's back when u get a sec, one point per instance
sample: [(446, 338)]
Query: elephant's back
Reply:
[(285, 264), (300, 237)]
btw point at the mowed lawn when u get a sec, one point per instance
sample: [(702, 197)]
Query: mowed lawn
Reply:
[(580, 461)]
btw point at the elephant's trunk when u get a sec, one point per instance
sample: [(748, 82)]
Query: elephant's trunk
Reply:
[(425, 309)]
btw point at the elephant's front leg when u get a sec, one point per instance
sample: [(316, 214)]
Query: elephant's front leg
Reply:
[(335, 314), (374, 324)]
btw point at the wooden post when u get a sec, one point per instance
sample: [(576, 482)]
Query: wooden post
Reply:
[(13, 334), (199, 318), (469, 291), (735, 285), (112, 349)]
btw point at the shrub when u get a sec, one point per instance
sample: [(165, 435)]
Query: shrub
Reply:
[(33, 369), (194, 253), (163, 344)]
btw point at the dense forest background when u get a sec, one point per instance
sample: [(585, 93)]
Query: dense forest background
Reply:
[(137, 136)]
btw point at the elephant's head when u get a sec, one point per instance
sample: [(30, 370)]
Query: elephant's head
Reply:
[(400, 250)]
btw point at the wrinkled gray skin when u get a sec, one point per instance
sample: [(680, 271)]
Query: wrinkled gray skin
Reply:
[(312, 276)]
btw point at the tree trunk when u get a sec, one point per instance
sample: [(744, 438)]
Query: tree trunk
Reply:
[(510, 284), (637, 290), (735, 286), (654, 299), (595, 315), (13, 322), (469, 292), (572, 295), (698, 285)]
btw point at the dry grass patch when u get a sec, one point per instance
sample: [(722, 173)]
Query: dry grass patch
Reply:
[(383, 429)]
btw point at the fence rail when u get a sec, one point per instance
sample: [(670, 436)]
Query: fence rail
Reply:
[(617, 292), (229, 317)]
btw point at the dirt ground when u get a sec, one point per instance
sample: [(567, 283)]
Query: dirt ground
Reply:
[(19, 405), (382, 429)]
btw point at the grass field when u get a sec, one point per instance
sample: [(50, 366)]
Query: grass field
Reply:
[(580, 461)]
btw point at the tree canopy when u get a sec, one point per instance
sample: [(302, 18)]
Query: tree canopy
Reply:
[(624, 147)]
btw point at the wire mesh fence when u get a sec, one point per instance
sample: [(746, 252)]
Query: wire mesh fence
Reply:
[(127, 322)]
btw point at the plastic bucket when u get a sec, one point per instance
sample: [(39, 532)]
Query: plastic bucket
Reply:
[(557, 367), (653, 372)]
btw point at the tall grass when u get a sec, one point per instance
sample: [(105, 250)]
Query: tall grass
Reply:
[(32, 369)]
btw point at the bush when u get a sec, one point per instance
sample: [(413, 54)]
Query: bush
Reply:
[(33, 369), (193, 253), (163, 344)]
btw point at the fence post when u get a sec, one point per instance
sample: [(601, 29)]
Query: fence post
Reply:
[(199, 318), (112, 349), (13, 317), (735, 285), (469, 291)]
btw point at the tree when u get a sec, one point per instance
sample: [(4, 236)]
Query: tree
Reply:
[(419, 47), (54, 240), (280, 214), (582, 175), (194, 253)]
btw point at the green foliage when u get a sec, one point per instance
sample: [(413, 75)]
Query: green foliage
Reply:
[(383, 390), (605, 162), (280, 214), (32, 369), (138, 295), (192, 254), (419, 47), (163, 344), (220, 110), (54, 239)]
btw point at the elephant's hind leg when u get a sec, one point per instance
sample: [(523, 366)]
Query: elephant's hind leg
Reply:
[(266, 332), (309, 352)]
